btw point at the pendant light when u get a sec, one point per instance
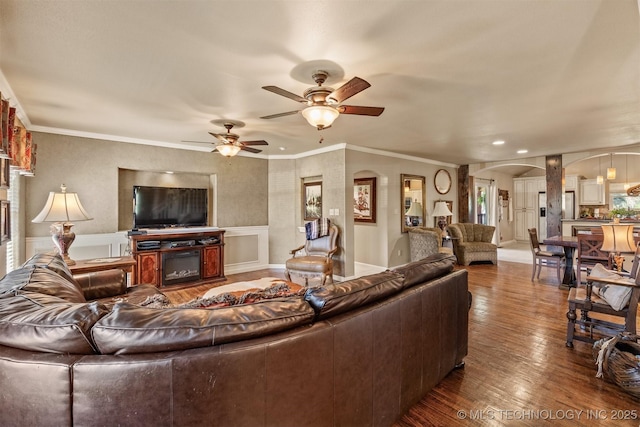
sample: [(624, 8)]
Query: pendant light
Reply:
[(611, 171), (626, 172), (599, 178)]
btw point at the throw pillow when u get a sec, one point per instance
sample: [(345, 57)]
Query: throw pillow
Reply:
[(616, 296), (311, 229), (317, 228)]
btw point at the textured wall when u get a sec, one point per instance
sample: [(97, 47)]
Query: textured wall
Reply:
[(383, 244), (91, 168)]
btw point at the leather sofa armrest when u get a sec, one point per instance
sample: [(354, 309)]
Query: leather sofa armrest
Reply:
[(102, 284)]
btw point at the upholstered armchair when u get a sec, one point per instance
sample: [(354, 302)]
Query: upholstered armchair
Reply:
[(472, 242), (425, 241), (314, 258)]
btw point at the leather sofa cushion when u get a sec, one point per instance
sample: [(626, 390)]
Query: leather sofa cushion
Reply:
[(34, 278), (52, 261), (426, 269), (46, 323), (131, 329), (337, 298)]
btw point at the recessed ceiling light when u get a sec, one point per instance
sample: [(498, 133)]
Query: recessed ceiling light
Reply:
[(282, 148), (522, 151), (169, 172), (498, 142)]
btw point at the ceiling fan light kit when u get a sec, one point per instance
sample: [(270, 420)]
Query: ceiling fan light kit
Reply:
[(228, 150), (323, 103), (320, 116)]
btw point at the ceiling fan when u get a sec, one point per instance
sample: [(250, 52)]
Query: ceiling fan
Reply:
[(230, 144), (324, 103)]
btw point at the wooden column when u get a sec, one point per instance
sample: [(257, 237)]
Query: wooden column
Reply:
[(463, 194), (555, 189)]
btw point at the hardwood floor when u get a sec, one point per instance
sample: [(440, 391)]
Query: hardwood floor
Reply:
[(518, 371)]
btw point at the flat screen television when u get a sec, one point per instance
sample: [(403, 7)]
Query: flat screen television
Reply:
[(162, 207)]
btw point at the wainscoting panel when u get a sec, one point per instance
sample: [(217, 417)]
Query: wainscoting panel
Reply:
[(246, 248)]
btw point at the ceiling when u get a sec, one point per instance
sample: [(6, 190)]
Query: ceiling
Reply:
[(547, 76)]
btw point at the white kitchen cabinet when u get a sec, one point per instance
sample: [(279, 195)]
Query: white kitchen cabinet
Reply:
[(524, 220), (525, 207), (571, 183), (592, 193)]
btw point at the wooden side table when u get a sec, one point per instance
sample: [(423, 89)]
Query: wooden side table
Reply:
[(124, 263)]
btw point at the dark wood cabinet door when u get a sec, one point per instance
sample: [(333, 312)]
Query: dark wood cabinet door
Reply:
[(148, 268), (211, 262)]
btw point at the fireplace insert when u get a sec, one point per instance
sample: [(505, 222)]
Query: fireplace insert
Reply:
[(180, 267)]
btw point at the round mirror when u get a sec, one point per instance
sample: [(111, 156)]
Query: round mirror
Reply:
[(442, 181)]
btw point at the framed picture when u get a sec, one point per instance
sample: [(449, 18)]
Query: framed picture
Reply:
[(312, 200), (364, 200), (5, 228), (4, 173)]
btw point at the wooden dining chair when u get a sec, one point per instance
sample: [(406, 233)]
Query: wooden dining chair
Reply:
[(590, 253), (544, 258), (608, 292)]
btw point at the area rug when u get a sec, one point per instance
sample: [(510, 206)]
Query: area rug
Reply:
[(233, 294)]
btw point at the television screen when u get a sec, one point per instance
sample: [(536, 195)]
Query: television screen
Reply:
[(160, 207)]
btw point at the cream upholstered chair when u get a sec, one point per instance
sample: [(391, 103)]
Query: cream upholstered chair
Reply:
[(472, 242), (545, 258), (314, 258)]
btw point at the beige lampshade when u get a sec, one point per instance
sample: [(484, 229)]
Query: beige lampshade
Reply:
[(618, 238), (441, 209), (415, 209), (62, 207)]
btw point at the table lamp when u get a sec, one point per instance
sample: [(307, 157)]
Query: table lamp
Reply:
[(414, 212), (62, 208), (618, 239), (442, 211)]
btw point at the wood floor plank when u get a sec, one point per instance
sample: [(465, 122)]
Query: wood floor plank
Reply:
[(518, 371)]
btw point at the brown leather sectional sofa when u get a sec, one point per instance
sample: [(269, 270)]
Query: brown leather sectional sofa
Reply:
[(355, 353)]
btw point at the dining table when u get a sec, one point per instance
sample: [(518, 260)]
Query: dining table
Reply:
[(569, 244)]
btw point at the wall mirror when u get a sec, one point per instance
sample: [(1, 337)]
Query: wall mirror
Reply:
[(414, 195), (442, 181)]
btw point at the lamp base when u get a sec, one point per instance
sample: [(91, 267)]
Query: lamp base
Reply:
[(63, 237), (618, 260)]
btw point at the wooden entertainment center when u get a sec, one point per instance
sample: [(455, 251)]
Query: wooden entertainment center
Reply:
[(178, 257)]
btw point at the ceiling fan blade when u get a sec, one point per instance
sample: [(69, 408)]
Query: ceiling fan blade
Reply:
[(251, 150), (362, 111), (220, 137), (347, 90), (273, 116), (260, 142), (285, 93)]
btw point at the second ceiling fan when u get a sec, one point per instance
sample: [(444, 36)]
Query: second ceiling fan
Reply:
[(324, 104), (230, 144)]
